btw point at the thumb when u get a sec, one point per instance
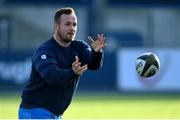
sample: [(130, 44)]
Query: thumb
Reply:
[(76, 58)]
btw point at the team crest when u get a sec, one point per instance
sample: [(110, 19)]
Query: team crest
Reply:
[(43, 57)]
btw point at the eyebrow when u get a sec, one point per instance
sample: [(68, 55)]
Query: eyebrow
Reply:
[(71, 22)]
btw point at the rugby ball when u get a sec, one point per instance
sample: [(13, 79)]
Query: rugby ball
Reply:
[(147, 64)]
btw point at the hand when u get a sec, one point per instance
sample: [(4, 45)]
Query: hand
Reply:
[(77, 68), (99, 44)]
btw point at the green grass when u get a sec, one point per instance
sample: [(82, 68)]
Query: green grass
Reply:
[(106, 106)]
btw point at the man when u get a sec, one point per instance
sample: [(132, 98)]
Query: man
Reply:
[(56, 67)]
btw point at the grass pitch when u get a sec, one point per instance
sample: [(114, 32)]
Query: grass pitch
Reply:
[(106, 106)]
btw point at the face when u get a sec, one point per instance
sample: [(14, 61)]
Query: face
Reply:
[(67, 27)]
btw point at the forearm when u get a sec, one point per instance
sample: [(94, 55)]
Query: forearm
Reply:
[(55, 75), (96, 60)]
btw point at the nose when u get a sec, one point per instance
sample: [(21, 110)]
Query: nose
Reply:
[(73, 28)]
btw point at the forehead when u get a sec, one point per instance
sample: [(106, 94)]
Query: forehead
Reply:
[(68, 18)]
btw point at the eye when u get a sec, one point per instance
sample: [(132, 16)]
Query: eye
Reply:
[(67, 24), (71, 24), (74, 24)]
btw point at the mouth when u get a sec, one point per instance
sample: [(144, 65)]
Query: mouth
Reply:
[(70, 34)]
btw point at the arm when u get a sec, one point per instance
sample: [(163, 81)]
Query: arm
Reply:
[(93, 54), (46, 64)]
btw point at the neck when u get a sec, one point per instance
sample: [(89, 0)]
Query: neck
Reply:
[(60, 42)]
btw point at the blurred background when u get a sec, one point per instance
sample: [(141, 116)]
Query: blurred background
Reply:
[(131, 27)]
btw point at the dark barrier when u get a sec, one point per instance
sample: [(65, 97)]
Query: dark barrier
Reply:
[(15, 68), (104, 79)]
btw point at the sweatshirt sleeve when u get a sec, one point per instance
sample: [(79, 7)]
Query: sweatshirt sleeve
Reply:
[(45, 63), (90, 57)]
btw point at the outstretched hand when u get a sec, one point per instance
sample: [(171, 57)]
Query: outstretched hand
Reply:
[(77, 68), (99, 44)]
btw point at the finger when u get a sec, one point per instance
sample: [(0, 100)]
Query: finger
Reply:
[(76, 61), (104, 38), (98, 37), (102, 35), (90, 40), (100, 41), (77, 65), (74, 64), (82, 69), (84, 66), (76, 58), (76, 68), (101, 46)]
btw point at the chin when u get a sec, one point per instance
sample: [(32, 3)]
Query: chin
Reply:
[(68, 40)]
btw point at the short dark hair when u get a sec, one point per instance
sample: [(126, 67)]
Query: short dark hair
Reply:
[(59, 12)]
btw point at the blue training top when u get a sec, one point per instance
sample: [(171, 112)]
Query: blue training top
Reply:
[(52, 81)]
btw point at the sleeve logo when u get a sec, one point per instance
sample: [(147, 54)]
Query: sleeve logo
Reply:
[(43, 57)]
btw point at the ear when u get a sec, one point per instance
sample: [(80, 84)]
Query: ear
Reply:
[(56, 26)]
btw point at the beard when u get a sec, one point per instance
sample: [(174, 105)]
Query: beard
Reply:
[(66, 38)]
